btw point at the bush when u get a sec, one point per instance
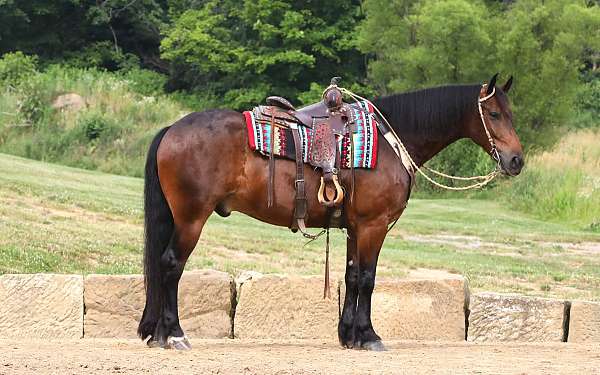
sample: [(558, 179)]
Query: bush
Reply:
[(102, 55), (15, 67), (93, 125), (146, 82)]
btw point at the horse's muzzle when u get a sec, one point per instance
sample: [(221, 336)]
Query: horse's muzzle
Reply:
[(512, 164)]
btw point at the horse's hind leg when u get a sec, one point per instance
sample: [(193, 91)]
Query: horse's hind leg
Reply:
[(168, 332)]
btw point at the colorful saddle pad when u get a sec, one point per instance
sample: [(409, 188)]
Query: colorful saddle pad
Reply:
[(364, 135)]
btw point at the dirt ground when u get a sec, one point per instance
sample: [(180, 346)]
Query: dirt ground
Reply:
[(297, 357)]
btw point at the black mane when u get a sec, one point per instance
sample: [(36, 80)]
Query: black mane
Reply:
[(431, 113)]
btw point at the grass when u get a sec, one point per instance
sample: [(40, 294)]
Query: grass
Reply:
[(110, 133), (563, 183), (60, 219)]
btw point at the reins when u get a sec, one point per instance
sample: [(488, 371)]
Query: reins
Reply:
[(403, 154)]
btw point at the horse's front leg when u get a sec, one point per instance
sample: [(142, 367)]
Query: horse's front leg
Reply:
[(346, 324), (360, 282)]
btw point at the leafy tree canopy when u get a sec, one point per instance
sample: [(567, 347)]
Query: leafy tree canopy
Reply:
[(247, 50), (544, 44)]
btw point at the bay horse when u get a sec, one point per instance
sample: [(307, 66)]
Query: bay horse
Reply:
[(202, 164)]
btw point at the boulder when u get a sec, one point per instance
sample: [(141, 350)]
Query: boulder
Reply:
[(41, 306), (114, 304), (419, 309), (584, 323), (70, 102), (501, 317), (280, 307)]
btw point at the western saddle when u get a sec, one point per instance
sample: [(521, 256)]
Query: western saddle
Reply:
[(330, 120)]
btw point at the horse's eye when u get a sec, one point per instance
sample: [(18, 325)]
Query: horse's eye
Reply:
[(495, 115)]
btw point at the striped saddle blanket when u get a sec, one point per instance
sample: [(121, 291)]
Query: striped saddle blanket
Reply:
[(363, 133)]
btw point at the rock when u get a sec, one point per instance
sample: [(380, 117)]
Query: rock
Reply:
[(41, 306), (279, 307), (500, 317), (114, 304), (246, 276), (584, 323), (71, 102), (419, 309)]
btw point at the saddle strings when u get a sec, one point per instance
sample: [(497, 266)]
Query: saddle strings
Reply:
[(483, 180)]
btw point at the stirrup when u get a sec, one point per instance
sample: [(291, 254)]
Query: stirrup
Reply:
[(339, 193)]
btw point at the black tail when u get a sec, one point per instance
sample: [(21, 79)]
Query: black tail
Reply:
[(158, 229)]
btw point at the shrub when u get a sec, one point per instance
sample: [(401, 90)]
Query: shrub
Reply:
[(93, 125), (15, 67), (146, 82)]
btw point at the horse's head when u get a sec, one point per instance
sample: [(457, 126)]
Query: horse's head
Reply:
[(493, 129)]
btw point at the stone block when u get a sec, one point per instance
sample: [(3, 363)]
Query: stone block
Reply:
[(501, 317), (584, 323), (114, 304), (281, 307), (41, 306), (419, 309)]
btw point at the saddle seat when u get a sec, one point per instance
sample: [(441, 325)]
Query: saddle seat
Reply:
[(303, 115)]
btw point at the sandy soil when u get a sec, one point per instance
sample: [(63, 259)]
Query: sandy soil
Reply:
[(296, 357)]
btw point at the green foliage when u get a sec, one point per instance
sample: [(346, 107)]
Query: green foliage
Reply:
[(588, 105), (545, 45), (102, 55), (107, 34), (243, 52), (111, 133), (94, 125), (146, 82), (16, 67), (420, 44)]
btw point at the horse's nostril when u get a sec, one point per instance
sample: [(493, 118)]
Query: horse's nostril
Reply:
[(516, 162)]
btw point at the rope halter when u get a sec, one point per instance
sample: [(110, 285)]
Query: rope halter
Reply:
[(494, 150)]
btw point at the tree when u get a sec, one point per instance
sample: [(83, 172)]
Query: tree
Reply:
[(416, 44), (104, 33), (244, 51), (546, 45)]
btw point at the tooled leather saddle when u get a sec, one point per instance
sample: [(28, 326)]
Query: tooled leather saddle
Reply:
[(330, 120)]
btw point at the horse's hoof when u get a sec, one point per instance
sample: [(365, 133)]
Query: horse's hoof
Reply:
[(178, 343), (375, 346), (347, 345), (153, 343)]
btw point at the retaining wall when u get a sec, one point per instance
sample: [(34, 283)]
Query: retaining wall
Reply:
[(212, 305)]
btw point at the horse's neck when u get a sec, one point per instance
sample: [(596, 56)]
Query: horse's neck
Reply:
[(422, 150)]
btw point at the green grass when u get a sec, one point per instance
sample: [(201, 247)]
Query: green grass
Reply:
[(110, 133), (60, 219)]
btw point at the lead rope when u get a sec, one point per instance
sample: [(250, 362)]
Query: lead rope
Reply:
[(327, 287), (400, 149)]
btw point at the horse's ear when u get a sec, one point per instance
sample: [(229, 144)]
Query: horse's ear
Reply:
[(492, 84), (507, 85)]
